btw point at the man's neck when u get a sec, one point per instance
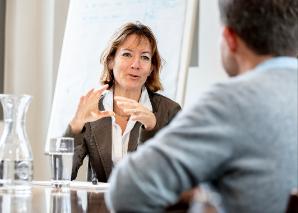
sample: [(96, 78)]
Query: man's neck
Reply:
[(248, 60), (247, 65)]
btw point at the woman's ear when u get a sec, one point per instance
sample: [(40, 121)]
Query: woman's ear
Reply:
[(151, 70), (111, 64)]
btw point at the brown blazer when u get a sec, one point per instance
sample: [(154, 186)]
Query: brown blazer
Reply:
[(95, 140)]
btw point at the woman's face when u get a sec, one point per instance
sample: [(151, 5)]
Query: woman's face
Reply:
[(132, 63)]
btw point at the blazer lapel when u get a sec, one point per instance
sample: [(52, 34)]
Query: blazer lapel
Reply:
[(133, 137), (154, 101), (134, 134), (102, 131)]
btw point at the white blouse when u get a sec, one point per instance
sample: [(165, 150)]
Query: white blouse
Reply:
[(119, 141)]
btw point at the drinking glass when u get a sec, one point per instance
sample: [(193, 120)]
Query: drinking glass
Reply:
[(60, 200), (61, 153)]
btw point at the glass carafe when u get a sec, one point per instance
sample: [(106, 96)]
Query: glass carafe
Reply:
[(16, 161)]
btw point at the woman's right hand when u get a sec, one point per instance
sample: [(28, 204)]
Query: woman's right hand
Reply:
[(87, 110)]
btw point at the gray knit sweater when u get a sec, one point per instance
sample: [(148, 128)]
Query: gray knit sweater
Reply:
[(241, 137)]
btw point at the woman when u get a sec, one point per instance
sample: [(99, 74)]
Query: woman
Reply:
[(108, 125)]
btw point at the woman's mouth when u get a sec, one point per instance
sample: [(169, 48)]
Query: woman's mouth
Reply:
[(133, 76)]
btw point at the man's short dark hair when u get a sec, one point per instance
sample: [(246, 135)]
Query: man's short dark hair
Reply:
[(266, 26)]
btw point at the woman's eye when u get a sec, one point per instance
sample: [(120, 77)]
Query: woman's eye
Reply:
[(146, 58), (126, 54)]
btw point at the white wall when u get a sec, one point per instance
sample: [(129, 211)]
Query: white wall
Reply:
[(28, 67), (34, 36), (34, 33), (61, 9), (209, 70)]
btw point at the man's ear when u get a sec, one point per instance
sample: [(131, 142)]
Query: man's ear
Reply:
[(231, 38)]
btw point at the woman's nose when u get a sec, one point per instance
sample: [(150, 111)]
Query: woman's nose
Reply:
[(135, 63)]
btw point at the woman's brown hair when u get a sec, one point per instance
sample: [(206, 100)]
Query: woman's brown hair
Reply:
[(153, 81)]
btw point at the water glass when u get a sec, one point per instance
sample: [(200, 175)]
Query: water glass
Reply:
[(61, 153), (60, 200), (16, 202)]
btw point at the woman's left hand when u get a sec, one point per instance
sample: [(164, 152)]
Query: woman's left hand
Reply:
[(137, 111)]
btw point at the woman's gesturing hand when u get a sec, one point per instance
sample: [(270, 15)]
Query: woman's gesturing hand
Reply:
[(87, 110), (137, 111)]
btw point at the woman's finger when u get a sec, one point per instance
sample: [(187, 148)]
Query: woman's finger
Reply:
[(107, 113), (102, 89), (131, 111), (102, 114), (126, 105), (89, 93)]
